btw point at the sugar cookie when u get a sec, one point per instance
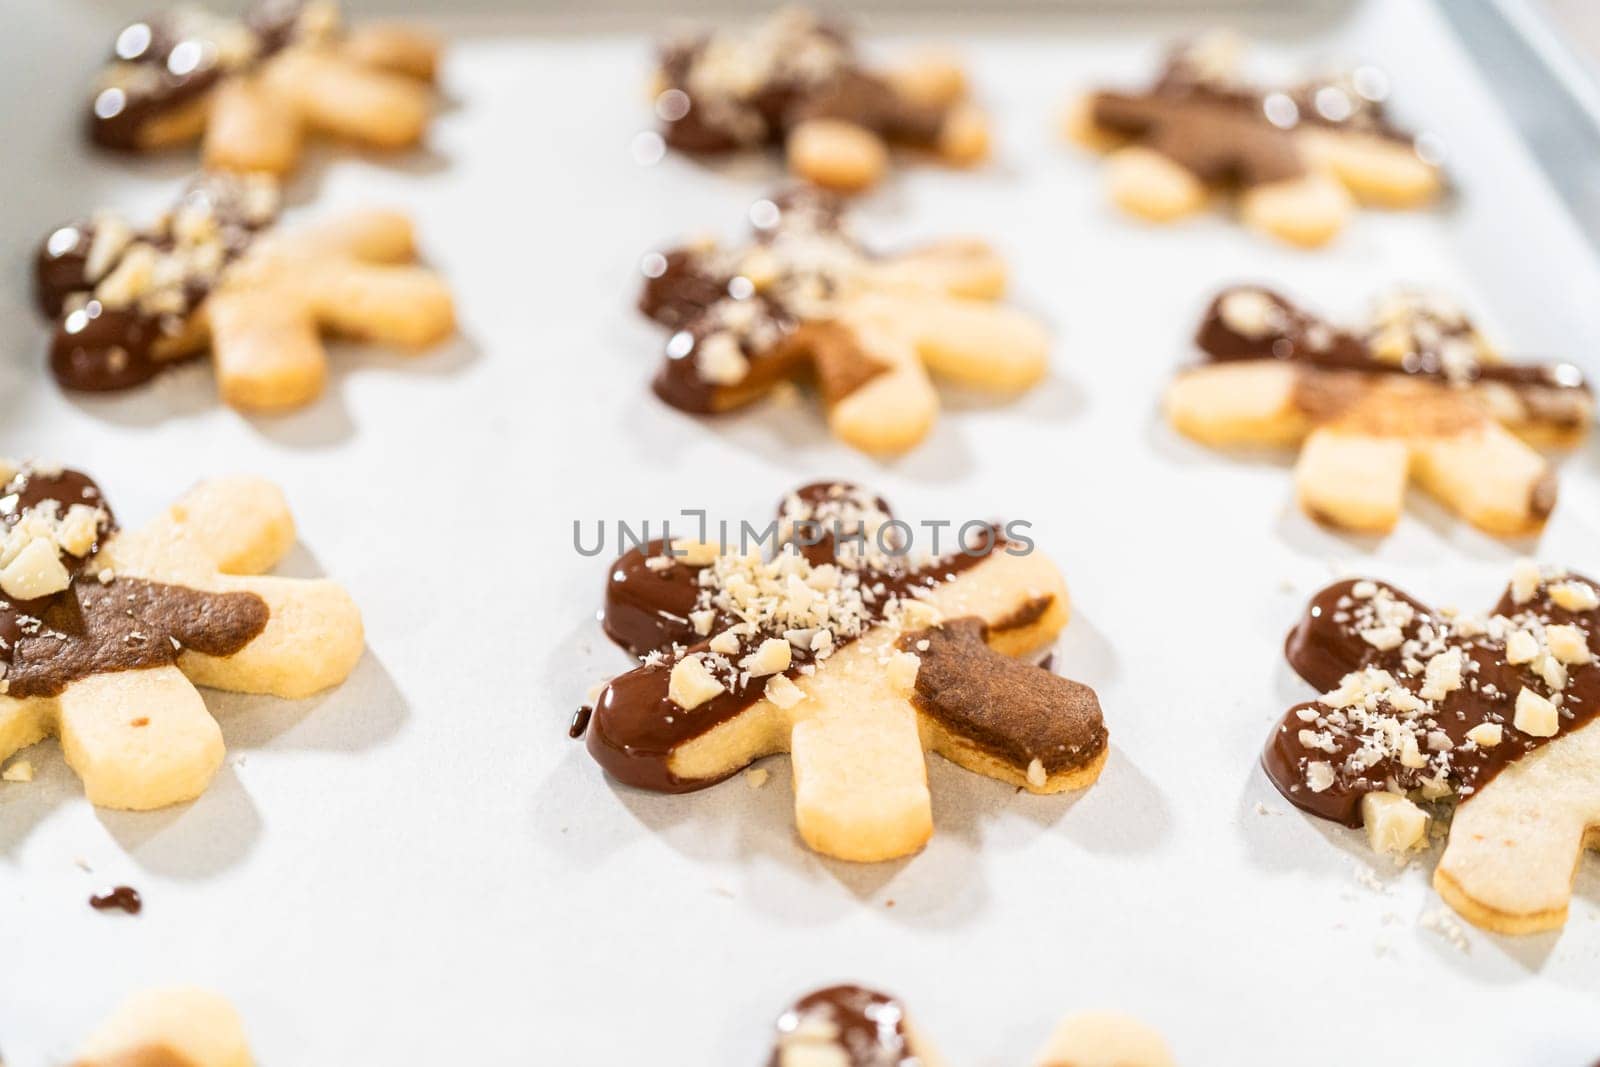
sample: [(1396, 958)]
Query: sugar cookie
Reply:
[(1415, 394), (851, 656), (796, 81), (176, 1027), (804, 300), (207, 277), (104, 635), (1297, 158), (1422, 708), (253, 87)]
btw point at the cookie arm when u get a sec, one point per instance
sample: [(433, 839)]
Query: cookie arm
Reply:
[(972, 342), (311, 642), (1351, 480), (1245, 403), (251, 129), (340, 97), (894, 410), (1489, 477), (960, 267), (407, 306), (235, 525), (139, 739), (1515, 846)]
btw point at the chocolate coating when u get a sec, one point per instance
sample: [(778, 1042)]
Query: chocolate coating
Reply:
[(122, 898), (868, 1028)]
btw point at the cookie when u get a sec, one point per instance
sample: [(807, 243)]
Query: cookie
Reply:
[(846, 650), (175, 1027), (1422, 709), (1296, 159), (1417, 393), (104, 634), (208, 276), (253, 87), (851, 1026), (805, 300), (796, 82)]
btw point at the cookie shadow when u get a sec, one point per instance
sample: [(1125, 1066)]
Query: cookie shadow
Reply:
[(193, 841)]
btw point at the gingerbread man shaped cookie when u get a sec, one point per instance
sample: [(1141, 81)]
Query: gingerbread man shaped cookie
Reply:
[(1417, 394), (206, 277), (176, 1027), (849, 654), (805, 300), (1295, 157), (851, 1026), (104, 635), (253, 87), (1494, 713), (797, 82)]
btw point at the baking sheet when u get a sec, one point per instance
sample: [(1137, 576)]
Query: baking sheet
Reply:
[(420, 867)]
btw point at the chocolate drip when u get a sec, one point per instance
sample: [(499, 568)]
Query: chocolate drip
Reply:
[(101, 348), (829, 83), (1007, 708), (1231, 134), (164, 64), (636, 727), (122, 898), (1324, 647), (1553, 392), (100, 627), (859, 1027)]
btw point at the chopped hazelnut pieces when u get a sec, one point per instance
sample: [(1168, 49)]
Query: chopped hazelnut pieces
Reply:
[(1394, 824), (692, 684), (1535, 715)]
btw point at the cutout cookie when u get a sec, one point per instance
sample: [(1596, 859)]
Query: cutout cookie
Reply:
[(129, 303), (852, 657), (169, 1028), (254, 87), (1421, 708), (795, 81), (1416, 394), (850, 1026), (1296, 158), (104, 635), (804, 300)]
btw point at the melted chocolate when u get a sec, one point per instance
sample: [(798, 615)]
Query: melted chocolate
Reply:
[(1220, 130), (864, 1027), (830, 83), (1003, 706), (164, 64), (122, 898), (690, 290), (636, 728), (580, 722), (1301, 338), (94, 627), (97, 348), (1324, 647)]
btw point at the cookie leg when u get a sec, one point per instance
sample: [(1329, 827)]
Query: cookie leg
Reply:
[(1353, 481), (139, 739), (338, 97), (1514, 847), (1489, 477), (312, 640), (370, 236), (964, 136), (973, 342), (407, 306), (169, 1028), (266, 349), (893, 411), (860, 778), (1306, 211), (837, 155), (1146, 183), (23, 723), (252, 129), (1104, 1039), (393, 47)]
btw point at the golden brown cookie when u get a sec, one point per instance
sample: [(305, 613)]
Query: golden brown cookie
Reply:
[(796, 81), (841, 648), (176, 1027), (209, 277), (1296, 158), (805, 301), (256, 85), (1416, 394), (1423, 709), (104, 635)]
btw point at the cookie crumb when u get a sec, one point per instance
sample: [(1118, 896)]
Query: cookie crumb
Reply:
[(756, 777), (20, 771)]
